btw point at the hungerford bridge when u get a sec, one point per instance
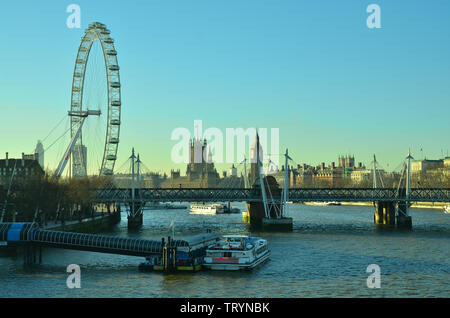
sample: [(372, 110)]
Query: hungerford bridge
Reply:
[(123, 195), (267, 203), (391, 207)]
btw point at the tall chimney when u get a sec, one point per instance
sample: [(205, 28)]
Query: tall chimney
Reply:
[(23, 159), (7, 160), (322, 165)]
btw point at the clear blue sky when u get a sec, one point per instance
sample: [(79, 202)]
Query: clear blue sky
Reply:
[(311, 68)]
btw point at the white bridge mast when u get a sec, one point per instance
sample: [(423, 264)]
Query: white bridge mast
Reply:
[(408, 175), (285, 191)]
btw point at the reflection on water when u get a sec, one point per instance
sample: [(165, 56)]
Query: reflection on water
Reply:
[(326, 255)]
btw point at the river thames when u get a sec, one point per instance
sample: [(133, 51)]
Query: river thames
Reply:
[(326, 255)]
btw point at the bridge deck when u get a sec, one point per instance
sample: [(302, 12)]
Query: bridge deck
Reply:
[(252, 195)]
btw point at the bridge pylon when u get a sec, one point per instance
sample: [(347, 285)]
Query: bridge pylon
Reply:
[(393, 213), (404, 220), (135, 215), (270, 212)]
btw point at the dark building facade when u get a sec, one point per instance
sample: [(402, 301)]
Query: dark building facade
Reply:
[(25, 168)]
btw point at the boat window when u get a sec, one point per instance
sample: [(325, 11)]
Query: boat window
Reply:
[(227, 254)]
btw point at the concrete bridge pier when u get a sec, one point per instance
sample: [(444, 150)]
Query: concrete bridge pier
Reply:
[(404, 221), (384, 213), (135, 217), (378, 214), (135, 221), (257, 215), (258, 221)]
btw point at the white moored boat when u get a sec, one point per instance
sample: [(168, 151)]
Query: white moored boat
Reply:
[(235, 252), (447, 209), (200, 208)]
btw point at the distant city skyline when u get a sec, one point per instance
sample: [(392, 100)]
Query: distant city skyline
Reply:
[(312, 69)]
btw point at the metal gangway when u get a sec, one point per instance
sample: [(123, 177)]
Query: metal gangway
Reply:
[(29, 234)]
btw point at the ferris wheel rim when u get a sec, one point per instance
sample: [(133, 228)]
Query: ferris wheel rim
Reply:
[(98, 32)]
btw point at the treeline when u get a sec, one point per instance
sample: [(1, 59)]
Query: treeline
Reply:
[(50, 198)]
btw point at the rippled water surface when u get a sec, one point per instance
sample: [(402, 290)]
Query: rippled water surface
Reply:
[(325, 256)]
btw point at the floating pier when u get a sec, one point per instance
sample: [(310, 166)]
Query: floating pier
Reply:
[(170, 255)]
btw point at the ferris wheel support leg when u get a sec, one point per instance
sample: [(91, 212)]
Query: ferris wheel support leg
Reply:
[(62, 164)]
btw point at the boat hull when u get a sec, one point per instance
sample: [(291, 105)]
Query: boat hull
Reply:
[(237, 266)]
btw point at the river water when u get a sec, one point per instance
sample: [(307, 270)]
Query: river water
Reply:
[(326, 255)]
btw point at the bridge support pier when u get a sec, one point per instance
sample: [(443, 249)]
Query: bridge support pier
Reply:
[(30, 254), (384, 213), (258, 221), (135, 216), (404, 221), (135, 221), (255, 214)]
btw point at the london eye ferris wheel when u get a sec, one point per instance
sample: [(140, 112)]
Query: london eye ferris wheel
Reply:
[(96, 91)]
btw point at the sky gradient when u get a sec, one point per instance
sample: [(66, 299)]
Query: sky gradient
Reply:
[(310, 68)]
